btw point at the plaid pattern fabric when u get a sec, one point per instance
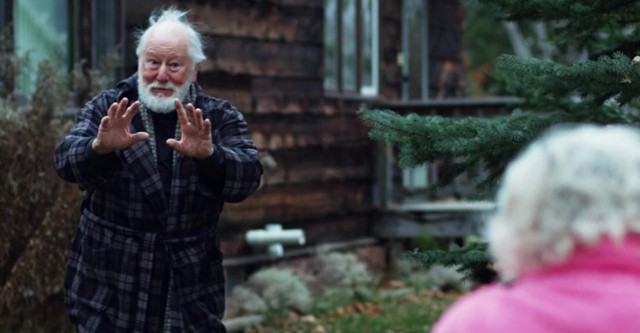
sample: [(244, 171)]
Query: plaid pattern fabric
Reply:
[(131, 238)]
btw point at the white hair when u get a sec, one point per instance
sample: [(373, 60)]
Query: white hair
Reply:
[(572, 187), (196, 53)]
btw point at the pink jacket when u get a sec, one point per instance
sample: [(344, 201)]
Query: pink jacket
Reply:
[(597, 290)]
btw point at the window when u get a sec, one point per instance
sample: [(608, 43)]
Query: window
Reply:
[(415, 84), (5, 12), (107, 29), (54, 30), (40, 32), (351, 46), (108, 35), (415, 50)]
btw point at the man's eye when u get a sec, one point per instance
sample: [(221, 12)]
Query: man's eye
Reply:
[(152, 64), (175, 66)]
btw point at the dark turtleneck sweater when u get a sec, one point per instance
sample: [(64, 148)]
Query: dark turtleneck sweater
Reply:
[(165, 128)]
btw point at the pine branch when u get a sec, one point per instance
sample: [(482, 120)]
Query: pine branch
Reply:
[(595, 81), (467, 142), (575, 12), (469, 259), (577, 23)]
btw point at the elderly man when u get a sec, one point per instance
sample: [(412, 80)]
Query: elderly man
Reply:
[(566, 239), (156, 158)]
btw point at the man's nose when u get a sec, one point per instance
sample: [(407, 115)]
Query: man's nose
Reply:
[(163, 75)]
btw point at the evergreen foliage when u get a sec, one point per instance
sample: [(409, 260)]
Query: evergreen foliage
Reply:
[(469, 142), (595, 25), (469, 260)]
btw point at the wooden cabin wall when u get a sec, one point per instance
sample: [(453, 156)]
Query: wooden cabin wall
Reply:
[(266, 57)]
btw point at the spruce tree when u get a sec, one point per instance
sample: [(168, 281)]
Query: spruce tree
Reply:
[(593, 76)]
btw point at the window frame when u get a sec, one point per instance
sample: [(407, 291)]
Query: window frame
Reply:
[(359, 87)]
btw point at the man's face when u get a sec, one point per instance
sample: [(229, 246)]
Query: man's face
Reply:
[(165, 70)]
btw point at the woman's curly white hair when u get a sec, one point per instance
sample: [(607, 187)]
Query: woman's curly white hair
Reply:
[(572, 186)]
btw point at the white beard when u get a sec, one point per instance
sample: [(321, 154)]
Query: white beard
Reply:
[(161, 104)]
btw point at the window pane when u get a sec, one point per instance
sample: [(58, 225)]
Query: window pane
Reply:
[(5, 12), (330, 45), (41, 32), (349, 45), (414, 37), (369, 42), (366, 42), (107, 32), (342, 63)]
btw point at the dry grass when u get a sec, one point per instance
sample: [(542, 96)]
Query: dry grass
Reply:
[(415, 312)]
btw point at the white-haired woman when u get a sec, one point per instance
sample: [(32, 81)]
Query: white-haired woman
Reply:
[(565, 238)]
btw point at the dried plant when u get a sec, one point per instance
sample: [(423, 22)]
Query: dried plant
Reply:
[(297, 285), (87, 82), (38, 210), (339, 271), (270, 289), (9, 63)]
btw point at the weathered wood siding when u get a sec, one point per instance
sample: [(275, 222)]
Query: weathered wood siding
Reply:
[(266, 57)]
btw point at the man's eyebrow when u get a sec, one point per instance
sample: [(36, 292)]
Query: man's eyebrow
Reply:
[(169, 55)]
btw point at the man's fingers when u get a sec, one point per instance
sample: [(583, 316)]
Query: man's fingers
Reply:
[(173, 143), (182, 115), (111, 113), (122, 107), (191, 113), (104, 123), (178, 104), (131, 111), (139, 136), (197, 118)]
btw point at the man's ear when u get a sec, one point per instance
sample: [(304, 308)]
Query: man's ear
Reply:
[(194, 76)]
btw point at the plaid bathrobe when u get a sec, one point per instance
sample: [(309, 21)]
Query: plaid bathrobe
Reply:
[(132, 239)]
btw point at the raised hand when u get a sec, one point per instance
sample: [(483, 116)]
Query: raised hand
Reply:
[(113, 133), (196, 133)]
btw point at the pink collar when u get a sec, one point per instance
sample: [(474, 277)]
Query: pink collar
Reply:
[(606, 255)]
